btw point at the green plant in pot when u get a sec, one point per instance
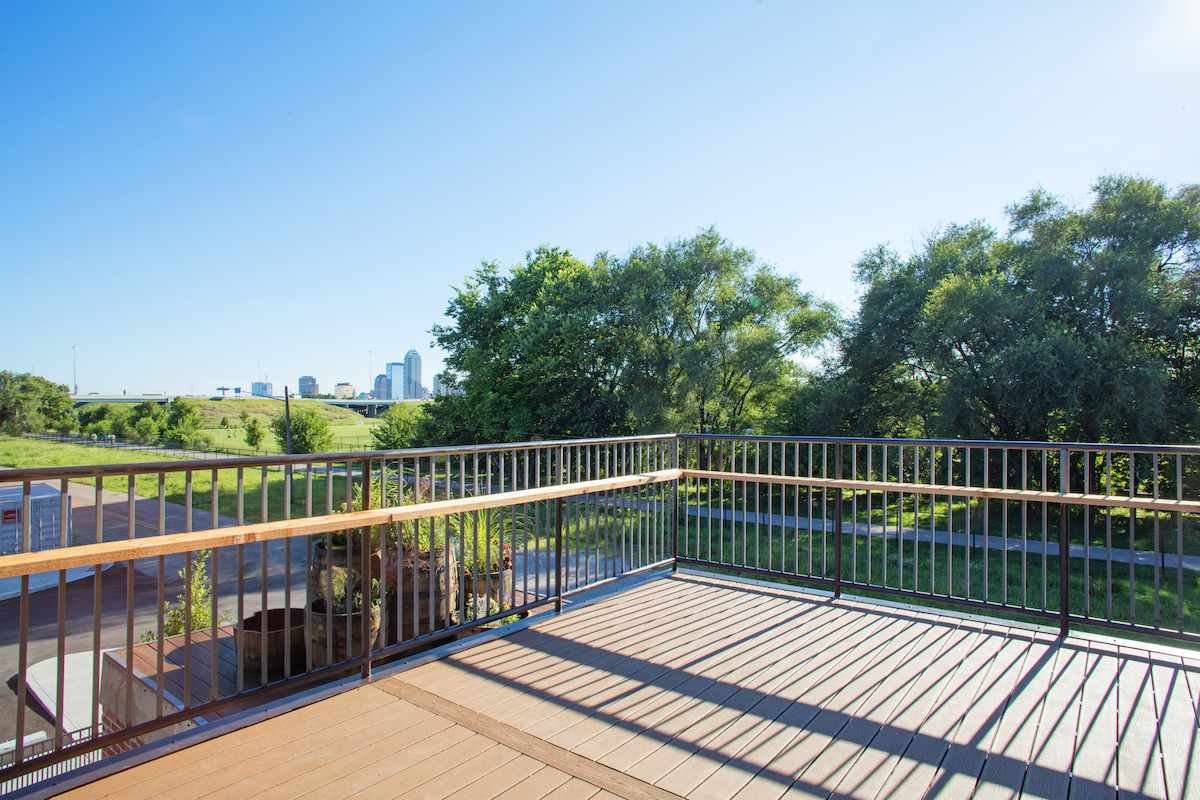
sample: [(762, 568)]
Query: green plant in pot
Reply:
[(337, 616), (341, 549), (483, 538), (417, 569)]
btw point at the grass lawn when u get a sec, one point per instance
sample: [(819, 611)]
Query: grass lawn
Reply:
[(972, 573), (31, 453), (355, 435)]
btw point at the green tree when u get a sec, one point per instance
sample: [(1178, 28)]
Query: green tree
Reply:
[(1076, 325), (146, 429), (710, 332), (183, 422), (696, 335), (532, 352), (255, 433), (397, 429), (30, 403), (311, 432)]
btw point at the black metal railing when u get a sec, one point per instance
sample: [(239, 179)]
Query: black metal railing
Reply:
[(1104, 535), (292, 570)]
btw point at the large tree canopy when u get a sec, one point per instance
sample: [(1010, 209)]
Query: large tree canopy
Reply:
[(32, 403), (693, 335), (1076, 325)]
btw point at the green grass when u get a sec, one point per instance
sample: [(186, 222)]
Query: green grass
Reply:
[(924, 567), (989, 516), (33, 453), (355, 435)]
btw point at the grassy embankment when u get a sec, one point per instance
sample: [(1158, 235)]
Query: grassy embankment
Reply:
[(351, 430)]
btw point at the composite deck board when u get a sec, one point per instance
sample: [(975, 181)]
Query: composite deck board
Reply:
[(638, 711), (798, 695), (966, 704), (1177, 730), (826, 769), (1094, 770), (1048, 774), (1139, 763), (698, 687), (648, 651), (879, 758)]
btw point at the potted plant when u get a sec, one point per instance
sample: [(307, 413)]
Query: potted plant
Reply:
[(337, 617), (487, 563), (411, 561), (341, 549)]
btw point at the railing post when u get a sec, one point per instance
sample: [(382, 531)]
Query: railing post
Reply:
[(558, 559), (837, 529), (675, 505), (1064, 544), (368, 579)]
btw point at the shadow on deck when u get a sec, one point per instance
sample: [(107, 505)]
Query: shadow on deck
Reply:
[(702, 687)]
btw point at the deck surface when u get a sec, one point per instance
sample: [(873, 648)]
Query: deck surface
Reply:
[(695, 687)]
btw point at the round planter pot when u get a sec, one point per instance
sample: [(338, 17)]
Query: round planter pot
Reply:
[(284, 633), (330, 642), (423, 593), (496, 585)]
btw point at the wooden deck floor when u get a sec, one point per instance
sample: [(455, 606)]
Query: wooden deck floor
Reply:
[(695, 687)]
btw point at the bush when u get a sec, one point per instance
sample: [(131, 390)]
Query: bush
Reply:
[(310, 432), (255, 433), (147, 429), (175, 616)]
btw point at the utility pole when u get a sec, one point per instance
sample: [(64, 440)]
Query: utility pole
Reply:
[(74, 371)]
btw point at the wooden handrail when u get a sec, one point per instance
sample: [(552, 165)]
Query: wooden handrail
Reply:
[(90, 555), (983, 492)]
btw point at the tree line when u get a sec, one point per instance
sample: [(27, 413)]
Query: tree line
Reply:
[(1072, 325)]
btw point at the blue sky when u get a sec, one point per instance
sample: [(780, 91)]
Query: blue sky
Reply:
[(192, 193)]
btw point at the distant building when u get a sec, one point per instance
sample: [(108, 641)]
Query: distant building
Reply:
[(381, 388), (412, 376), (261, 389), (395, 380), (344, 391), (308, 386), (437, 385)]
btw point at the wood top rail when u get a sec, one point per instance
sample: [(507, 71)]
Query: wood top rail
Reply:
[(983, 492), (90, 555)]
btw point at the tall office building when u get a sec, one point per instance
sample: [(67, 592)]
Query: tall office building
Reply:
[(381, 388), (412, 376), (261, 389), (308, 386), (395, 380), (344, 391), (437, 386)]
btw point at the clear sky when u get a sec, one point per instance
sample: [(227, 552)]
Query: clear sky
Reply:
[(194, 192)]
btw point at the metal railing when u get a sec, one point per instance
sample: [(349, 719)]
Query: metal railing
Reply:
[(292, 570), (967, 523), (283, 567)]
